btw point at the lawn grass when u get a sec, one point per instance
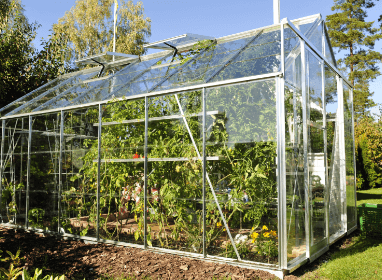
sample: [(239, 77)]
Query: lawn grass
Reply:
[(358, 259), (373, 196)]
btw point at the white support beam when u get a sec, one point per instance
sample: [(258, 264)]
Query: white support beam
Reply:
[(276, 11)]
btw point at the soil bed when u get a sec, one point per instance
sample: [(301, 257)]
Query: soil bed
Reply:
[(78, 260)]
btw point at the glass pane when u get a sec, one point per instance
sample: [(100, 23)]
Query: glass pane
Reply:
[(175, 172), (316, 153), (122, 172), (241, 155), (328, 52), (203, 68), (333, 151), (260, 57), (62, 87), (315, 37), (13, 203), (294, 154), (44, 172), (349, 156), (25, 99), (106, 90), (79, 172), (67, 96)]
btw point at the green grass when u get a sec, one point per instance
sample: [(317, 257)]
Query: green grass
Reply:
[(360, 259), (373, 196)]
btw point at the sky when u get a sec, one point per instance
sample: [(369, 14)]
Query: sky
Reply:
[(204, 17)]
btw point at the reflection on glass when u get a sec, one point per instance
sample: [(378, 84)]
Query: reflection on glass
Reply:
[(316, 155), (333, 151), (122, 172), (175, 172), (79, 172), (294, 154), (13, 198), (44, 171), (242, 137), (349, 157)]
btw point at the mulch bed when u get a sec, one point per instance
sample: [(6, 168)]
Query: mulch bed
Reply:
[(78, 260)]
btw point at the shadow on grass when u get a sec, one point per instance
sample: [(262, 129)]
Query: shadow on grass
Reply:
[(349, 245), (368, 196)]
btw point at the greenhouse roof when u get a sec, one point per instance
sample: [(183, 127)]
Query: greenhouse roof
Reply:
[(250, 54)]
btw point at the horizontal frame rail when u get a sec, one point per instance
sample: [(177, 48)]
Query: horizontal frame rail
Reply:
[(159, 118), (158, 159)]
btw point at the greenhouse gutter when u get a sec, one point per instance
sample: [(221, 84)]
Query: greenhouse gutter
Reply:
[(271, 268), (152, 94)]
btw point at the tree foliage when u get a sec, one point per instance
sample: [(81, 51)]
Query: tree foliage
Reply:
[(24, 68), (349, 31), (368, 135), (89, 27)]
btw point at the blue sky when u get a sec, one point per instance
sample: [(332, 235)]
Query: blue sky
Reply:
[(205, 17)]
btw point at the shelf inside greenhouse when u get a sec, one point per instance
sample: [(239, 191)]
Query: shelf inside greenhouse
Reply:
[(238, 149)]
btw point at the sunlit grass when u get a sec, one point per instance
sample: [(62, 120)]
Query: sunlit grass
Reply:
[(373, 196), (361, 259)]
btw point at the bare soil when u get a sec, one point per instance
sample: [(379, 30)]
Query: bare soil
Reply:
[(78, 260)]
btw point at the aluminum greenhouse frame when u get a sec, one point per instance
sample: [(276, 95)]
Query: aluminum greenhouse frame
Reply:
[(299, 115)]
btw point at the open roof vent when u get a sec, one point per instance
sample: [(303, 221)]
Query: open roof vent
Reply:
[(178, 41)]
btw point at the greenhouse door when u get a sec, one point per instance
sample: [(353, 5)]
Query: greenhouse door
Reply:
[(315, 178)]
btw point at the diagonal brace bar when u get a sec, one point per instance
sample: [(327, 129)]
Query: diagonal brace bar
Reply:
[(208, 178)]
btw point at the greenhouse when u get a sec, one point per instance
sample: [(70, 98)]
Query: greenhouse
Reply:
[(237, 150)]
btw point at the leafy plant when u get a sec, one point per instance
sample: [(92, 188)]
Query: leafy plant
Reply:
[(36, 217)]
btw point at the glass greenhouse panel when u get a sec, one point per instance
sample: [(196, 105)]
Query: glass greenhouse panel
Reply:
[(205, 66), (175, 172), (328, 51), (79, 172), (28, 97), (13, 207), (315, 36), (122, 172), (64, 99), (349, 157), (119, 82), (294, 154), (261, 56), (44, 172), (316, 150), (54, 92), (333, 151), (244, 137)]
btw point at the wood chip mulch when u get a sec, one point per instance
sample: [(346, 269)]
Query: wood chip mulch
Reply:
[(78, 260)]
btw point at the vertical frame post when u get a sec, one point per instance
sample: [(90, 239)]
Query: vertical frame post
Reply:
[(354, 165), (204, 166), (281, 173), (28, 170), (145, 173), (99, 167), (60, 169), (276, 11), (305, 139), (281, 168), (341, 128), (1, 159), (327, 185)]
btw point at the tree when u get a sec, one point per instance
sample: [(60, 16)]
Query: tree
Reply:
[(16, 36), (349, 31), (368, 135), (89, 27), (23, 68)]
